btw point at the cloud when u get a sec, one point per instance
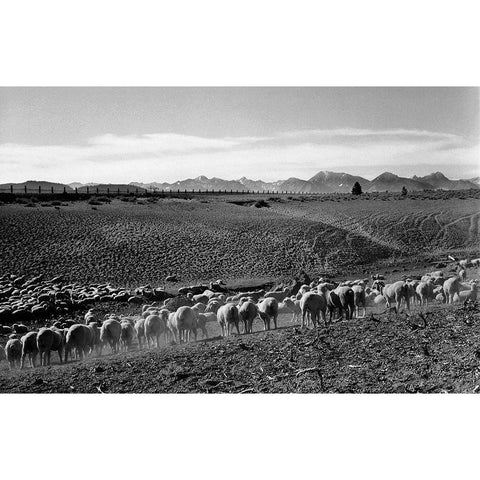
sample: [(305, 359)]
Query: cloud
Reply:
[(169, 156)]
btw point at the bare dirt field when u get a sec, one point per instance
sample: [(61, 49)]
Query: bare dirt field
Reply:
[(205, 238)]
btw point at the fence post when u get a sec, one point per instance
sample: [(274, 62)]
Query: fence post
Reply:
[(76, 190), (128, 191), (52, 190), (64, 189), (25, 189), (118, 191), (11, 188), (39, 189)]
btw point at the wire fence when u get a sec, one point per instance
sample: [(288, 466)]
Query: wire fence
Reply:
[(113, 191)]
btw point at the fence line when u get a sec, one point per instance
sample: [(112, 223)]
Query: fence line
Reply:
[(14, 190)]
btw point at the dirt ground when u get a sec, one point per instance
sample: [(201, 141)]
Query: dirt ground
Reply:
[(379, 354)]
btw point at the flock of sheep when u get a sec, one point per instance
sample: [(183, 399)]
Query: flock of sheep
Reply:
[(309, 305)]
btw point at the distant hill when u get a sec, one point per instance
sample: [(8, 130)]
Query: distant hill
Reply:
[(439, 181), (475, 180), (327, 182), (112, 187), (393, 183), (32, 186)]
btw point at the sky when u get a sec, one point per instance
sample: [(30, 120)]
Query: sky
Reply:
[(120, 135)]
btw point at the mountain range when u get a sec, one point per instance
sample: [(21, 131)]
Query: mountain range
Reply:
[(322, 182)]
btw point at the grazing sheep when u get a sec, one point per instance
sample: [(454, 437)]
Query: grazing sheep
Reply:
[(95, 342), (268, 309), (201, 298), (395, 292), (468, 294), (294, 306), (140, 329), (127, 334), (78, 338), (154, 326), (247, 312), (45, 339), (29, 347), (359, 300), (200, 307), (184, 323), (412, 290), (475, 262), (13, 352), (342, 298), (315, 306), (462, 274), (58, 344), (228, 317), (451, 287), (110, 333), (201, 323), (213, 306), (280, 296), (425, 291), (150, 311)]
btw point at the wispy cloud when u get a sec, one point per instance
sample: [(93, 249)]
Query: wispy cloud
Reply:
[(169, 157)]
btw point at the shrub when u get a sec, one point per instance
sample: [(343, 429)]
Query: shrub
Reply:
[(261, 204)]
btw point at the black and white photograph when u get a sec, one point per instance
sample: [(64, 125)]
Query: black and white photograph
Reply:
[(260, 240), (239, 240)]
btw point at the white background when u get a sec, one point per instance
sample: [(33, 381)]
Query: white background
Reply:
[(352, 43)]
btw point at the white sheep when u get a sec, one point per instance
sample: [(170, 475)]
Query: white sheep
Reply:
[(359, 299), (13, 352), (77, 338), (268, 309), (314, 306), (44, 340), (228, 317), (247, 312), (110, 333), (183, 323), (95, 342), (425, 291), (294, 306), (451, 287), (29, 347), (471, 294), (127, 334), (280, 296), (140, 329), (154, 326), (396, 292)]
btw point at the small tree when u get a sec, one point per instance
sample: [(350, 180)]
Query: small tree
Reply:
[(356, 189), (404, 191)]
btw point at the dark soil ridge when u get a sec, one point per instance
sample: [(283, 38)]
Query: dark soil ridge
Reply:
[(380, 354)]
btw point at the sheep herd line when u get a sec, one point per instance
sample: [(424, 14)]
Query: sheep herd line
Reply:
[(176, 323)]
